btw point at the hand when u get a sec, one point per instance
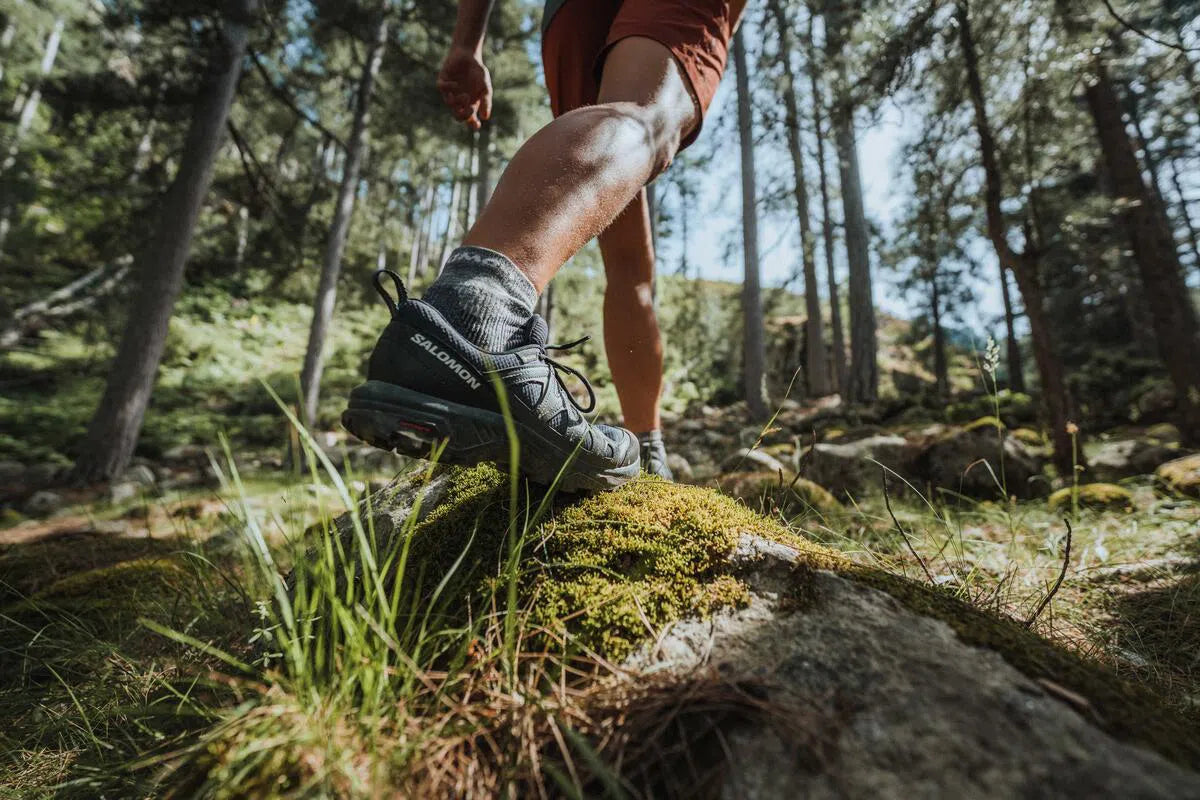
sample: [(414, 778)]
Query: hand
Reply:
[(466, 86)]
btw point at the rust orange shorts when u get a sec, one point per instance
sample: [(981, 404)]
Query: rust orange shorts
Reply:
[(581, 32)]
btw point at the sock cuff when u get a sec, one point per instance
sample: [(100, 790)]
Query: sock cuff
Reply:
[(469, 262), (650, 437)]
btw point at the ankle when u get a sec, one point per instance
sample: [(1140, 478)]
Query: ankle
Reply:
[(484, 296)]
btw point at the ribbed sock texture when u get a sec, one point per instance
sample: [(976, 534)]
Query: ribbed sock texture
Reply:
[(485, 297)]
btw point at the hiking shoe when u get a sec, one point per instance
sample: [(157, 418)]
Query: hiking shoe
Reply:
[(654, 456), (426, 383)]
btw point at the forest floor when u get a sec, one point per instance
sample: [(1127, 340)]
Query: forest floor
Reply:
[(122, 609)]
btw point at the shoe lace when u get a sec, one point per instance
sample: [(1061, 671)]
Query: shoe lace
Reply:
[(557, 368)]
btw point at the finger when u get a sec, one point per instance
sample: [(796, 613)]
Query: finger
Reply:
[(485, 109)]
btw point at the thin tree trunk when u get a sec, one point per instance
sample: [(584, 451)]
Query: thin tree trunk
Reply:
[(113, 432), (1016, 370), (1185, 212), (863, 386), (310, 376), (451, 216), (28, 111), (423, 222), (754, 353), (840, 372), (483, 175), (816, 364), (1154, 251), (1023, 264)]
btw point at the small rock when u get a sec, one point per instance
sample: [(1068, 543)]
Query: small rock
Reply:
[(139, 475), (681, 468), (11, 473), (43, 503), (43, 474), (124, 491), (752, 461), (1113, 461), (1181, 475)]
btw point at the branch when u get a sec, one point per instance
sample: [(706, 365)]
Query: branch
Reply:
[(1054, 589), (1182, 48), (281, 93), (67, 298)]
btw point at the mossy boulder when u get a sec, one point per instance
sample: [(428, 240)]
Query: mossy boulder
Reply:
[(977, 461), (851, 469), (1181, 475), (1028, 437), (783, 494), (1094, 496), (1125, 458)]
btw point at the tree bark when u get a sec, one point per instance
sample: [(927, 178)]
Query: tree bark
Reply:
[(863, 386), (754, 348), (310, 376), (117, 422), (840, 372), (816, 364), (1016, 369), (483, 175), (1154, 251), (1024, 264), (451, 211), (28, 111)]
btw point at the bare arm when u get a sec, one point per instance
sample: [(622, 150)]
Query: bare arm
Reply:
[(465, 83), (471, 25)]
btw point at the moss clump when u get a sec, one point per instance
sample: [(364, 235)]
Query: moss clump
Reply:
[(1096, 496), (779, 494), (1181, 475), (988, 423), (604, 568), (1164, 432), (1029, 437), (642, 555)]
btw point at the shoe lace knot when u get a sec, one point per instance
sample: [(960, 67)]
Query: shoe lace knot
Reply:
[(557, 369)]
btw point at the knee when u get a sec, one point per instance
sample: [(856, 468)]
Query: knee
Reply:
[(652, 131)]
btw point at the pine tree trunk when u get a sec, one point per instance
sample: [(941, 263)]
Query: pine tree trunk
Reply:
[(841, 371), (314, 359), (449, 233), (816, 364), (117, 422), (1016, 370), (28, 111), (1154, 251), (863, 384), (424, 221), (941, 370), (754, 352), (483, 176), (1024, 266), (1184, 212)]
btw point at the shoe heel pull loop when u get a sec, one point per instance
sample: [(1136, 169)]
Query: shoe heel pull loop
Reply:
[(383, 292)]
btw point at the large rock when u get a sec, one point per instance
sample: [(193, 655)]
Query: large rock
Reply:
[(873, 700), (978, 461), (1125, 458), (853, 683), (850, 469), (752, 460)]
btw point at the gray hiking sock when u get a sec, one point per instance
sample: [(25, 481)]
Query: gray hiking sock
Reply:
[(485, 297), (654, 454)]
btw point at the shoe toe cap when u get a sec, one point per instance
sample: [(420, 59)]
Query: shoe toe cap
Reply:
[(626, 449)]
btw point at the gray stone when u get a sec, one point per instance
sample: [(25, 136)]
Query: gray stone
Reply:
[(680, 467), (746, 460), (11, 474), (1125, 458), (43, 503), (889, 704), (124, 491), (139, 475), (973, 462), (851, 469)]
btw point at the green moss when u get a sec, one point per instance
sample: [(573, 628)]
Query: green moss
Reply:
[(1029, 437), (1164, 432), (774, 494), (988, 422), (1181, 475), (1096, 496)]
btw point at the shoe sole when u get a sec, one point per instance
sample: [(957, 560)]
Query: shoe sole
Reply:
[(411, 423)]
